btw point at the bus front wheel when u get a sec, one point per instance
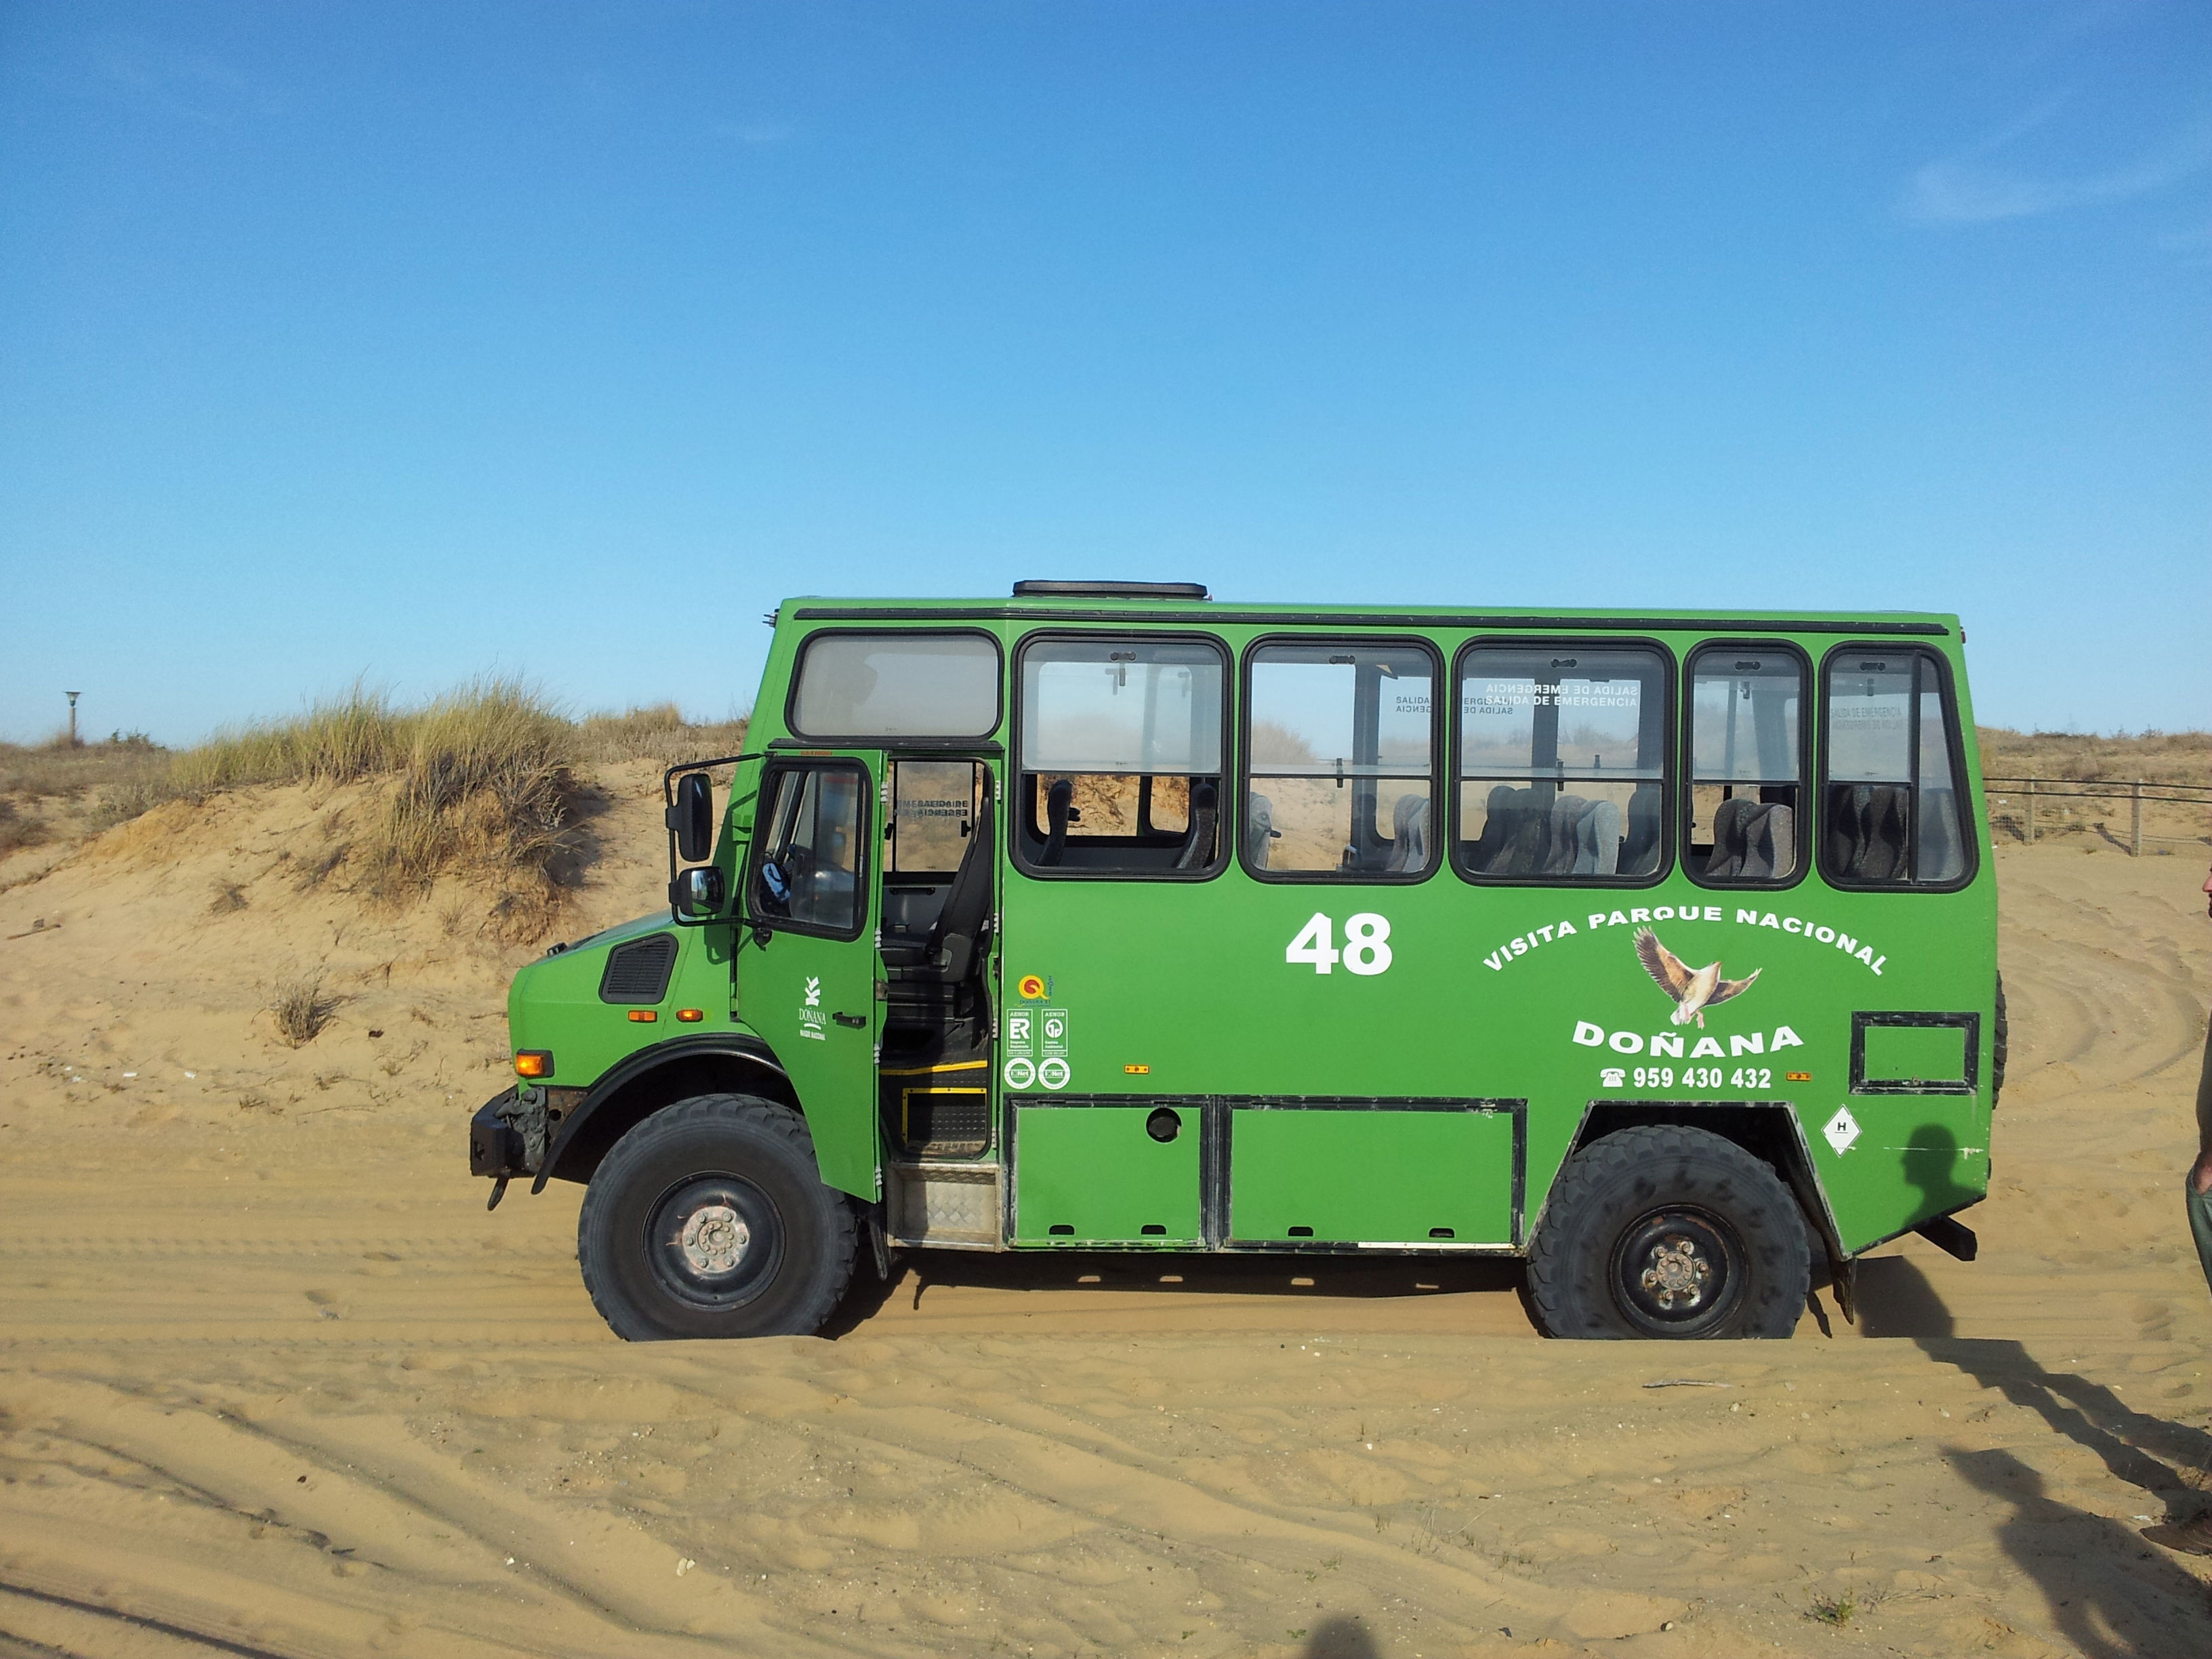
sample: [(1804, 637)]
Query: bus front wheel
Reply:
[(1662, 1231), (709, 1219)]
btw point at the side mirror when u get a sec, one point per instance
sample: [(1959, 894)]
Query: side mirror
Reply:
[(692, 816), (698, 890)]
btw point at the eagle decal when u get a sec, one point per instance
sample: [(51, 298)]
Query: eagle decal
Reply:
[(1694, 989)]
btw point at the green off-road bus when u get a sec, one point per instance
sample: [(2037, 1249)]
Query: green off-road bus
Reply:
[(1659, 950)]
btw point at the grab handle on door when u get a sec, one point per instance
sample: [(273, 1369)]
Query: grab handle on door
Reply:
[(856, 1021)]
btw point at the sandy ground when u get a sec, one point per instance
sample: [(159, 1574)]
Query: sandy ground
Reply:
[(272, 1383)]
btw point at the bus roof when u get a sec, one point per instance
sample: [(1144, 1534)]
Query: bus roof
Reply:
[(1101, 606)]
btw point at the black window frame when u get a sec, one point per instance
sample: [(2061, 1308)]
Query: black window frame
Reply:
[(1809, 816), (1670, 672), (1018, 803), (763, 832), (1439, 758), (1970, 818), (875, 740)]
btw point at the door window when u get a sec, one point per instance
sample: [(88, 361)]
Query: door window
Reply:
[(1340, 770), (1891, 814), (1121, 755), (807, 865), (1747, 823), (1561, 772)]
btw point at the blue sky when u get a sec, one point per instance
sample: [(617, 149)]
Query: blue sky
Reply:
[(416, 340)]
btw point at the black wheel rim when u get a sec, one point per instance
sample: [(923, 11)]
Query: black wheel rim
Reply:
[(715, 1241), (1678, 1272)]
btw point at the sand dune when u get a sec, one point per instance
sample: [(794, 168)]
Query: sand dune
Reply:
[(272, 1383)]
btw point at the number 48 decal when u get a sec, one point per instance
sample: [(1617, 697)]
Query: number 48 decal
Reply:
[(1366, 943)]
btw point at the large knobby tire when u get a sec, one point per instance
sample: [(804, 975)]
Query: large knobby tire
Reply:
[(1670, 1233), (709, 1219)]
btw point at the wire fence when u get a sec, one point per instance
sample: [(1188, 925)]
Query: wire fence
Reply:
[(2027, 795)]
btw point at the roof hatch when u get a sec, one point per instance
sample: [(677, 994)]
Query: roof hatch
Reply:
[(1110, 591)]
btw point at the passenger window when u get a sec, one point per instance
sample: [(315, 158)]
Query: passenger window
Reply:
[(1120, 758), (897, 685), (1747, 766), (1339, 778), (1560, 763), (1891, 808), (806, 865)]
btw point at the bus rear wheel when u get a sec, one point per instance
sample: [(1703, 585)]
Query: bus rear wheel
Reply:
[(1665, 1231), (709, 1219)]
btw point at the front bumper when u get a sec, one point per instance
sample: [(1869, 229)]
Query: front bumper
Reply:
[(508, 1136)]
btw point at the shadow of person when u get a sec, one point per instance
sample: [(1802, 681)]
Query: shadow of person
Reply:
[(1896, 1298), (1931, 1160), (1339, 1638), (2143, 1450), (2114, 1595)]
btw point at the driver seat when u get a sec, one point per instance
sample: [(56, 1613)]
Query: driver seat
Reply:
[(947, 953)]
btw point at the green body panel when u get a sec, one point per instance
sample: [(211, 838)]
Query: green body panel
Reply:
[(791, 989), (1181, 991), (1091, 1174), (1371, 1177)]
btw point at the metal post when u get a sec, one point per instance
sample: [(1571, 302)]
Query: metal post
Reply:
[(2136, 838), (2031, 811), (73, 696)]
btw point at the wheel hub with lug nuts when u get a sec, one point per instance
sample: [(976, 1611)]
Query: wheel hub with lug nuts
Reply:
[(714, 1239), (1676, 1275)]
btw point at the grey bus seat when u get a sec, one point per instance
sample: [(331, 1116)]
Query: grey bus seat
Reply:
[(1197, 844), (1869, 827), (1597, 839), (1484, 852), (1559, 848), (950, 949), (1753, 840), (1058, 802), (1259, 830), (1726, 863), (1409, 835), (1639, 844)]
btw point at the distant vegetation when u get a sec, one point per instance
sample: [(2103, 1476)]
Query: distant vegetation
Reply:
[(486, 781), (2162, 756)]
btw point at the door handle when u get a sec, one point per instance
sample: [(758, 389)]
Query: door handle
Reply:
[(856, 1021)]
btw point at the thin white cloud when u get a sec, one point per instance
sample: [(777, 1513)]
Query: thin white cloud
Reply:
[(1967, 189)]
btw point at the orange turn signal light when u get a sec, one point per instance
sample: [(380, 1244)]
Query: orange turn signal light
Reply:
[(690, 1016), (643, 1016), (534, 1062)]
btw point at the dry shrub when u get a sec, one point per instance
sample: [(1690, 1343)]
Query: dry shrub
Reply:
[(484, 787), (16, 830), (659, 733), (302, 1008), (229, 896)]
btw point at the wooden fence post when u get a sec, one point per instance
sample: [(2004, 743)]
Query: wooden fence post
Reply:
[(2136, 838), (2031, 811)]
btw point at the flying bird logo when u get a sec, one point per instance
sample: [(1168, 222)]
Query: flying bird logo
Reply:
[(1694, 989)]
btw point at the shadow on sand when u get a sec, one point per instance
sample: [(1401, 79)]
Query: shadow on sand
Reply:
[(916, 1272), (2114, 1595)]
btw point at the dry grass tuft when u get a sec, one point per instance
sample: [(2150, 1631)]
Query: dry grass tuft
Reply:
[(485, 785), (338, 741), (229, 896), (18, 830), (656, 733), (302, 1009)]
